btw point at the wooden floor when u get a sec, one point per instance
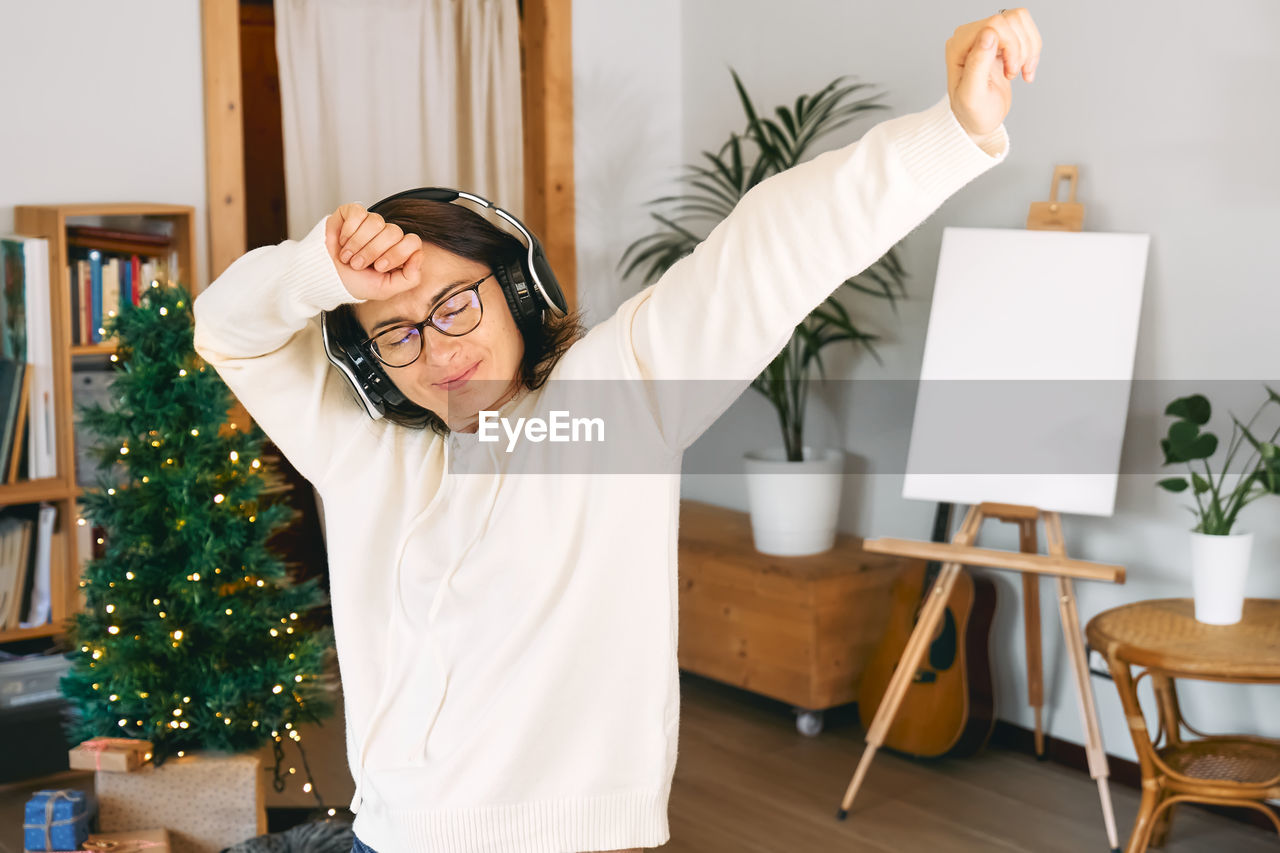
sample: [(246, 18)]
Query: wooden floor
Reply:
[(747, 782)]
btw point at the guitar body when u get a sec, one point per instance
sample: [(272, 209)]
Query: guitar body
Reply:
[(948, 708)]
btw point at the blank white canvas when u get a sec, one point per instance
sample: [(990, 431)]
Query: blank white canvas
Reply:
[(1028, 363)]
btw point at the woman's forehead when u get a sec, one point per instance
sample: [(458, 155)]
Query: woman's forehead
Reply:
[(413, 304)]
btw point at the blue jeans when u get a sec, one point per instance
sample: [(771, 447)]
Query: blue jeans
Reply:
[(358, 846)]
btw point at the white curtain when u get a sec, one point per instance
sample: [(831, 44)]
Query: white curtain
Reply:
[(379, 96)]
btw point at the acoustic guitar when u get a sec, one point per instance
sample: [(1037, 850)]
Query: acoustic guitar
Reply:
[(948, 708)]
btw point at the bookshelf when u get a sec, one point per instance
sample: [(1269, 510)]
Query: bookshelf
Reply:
[(51, 222)]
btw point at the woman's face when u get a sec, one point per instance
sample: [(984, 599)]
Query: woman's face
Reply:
[(455, 377)]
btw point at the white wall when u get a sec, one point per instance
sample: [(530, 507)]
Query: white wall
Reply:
[(627, 134), (103, 102), (1168, 115)]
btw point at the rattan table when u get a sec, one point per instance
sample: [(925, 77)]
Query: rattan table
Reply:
[(1164, 639)]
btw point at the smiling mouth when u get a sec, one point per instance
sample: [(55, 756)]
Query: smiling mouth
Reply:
[(459, 380)]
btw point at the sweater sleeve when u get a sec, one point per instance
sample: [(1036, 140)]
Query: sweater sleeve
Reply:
[(258, 324), (724, 311)]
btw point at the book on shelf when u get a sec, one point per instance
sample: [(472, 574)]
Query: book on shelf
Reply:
[(39, 602), (11, 373), (26, 337), (26, 551), (16, 457), (104, 282)]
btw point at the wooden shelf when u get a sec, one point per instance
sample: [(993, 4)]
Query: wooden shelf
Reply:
[(51, 222), (32, 491), (131, 247), (49, 629), (93, 349)]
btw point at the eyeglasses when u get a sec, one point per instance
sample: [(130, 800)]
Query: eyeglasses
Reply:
[(457, 315)]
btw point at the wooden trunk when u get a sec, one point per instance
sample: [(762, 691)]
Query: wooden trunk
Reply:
[(796, 629)]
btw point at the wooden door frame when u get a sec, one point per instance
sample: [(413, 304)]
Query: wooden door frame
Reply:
[(223, 132), (546, 84), (546, 47)]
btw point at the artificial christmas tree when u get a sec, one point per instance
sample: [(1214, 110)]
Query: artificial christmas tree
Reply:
[(193, 636)]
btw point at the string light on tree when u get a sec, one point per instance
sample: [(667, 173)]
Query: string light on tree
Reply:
[(203, 510)]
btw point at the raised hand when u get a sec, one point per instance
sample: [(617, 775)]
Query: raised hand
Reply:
[(983, 58), (375, 259)]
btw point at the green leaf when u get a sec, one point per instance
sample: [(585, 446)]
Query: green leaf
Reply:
[(1183, 432), (1187, 444), (1202, 485), (1173, 484), (788, 122), (674, 227), (1269, 476), (1204, 446), (1194, 408), (1257, 445)]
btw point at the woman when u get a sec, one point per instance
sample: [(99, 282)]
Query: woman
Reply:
[(507, 642)]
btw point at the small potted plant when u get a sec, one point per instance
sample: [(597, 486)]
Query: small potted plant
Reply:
[(793, 490), (1219, 551)]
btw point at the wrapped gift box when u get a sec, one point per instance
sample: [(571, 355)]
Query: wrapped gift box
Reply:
[(207, 800), (57, 820), (134, 841), (120, 754)]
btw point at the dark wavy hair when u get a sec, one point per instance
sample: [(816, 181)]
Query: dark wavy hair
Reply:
[(464, 232)]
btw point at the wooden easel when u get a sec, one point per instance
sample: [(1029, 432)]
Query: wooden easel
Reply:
[(961, 551), (1051, 215)]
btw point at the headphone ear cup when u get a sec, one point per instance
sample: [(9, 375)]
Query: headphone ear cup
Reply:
[(550, 287), (377, 383), (515, 286), (360, 369)]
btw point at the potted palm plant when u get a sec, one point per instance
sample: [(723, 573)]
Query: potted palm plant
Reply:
[(1219, 551), (793, 489)]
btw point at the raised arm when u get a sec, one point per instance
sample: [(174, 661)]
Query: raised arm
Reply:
[(258, 324), (724, 311), (718, 316)]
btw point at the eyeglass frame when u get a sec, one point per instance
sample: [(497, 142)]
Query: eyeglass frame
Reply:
[(368, 345)]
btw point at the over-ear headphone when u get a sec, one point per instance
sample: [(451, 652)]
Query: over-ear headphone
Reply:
[(527, 282)]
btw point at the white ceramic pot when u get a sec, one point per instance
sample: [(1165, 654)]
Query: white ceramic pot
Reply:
[(1219, 566), (793, 504)]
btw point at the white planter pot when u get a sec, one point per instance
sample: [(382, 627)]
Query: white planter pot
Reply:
[(793, 504), (1219, 566)]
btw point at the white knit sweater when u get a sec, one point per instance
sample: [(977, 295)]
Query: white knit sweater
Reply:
[(507, 643)]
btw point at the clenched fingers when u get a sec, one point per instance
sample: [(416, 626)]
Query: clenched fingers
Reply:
[(1020, 42), (399, 247)]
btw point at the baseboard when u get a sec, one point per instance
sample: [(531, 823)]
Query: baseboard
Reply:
[(1123, 771)]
